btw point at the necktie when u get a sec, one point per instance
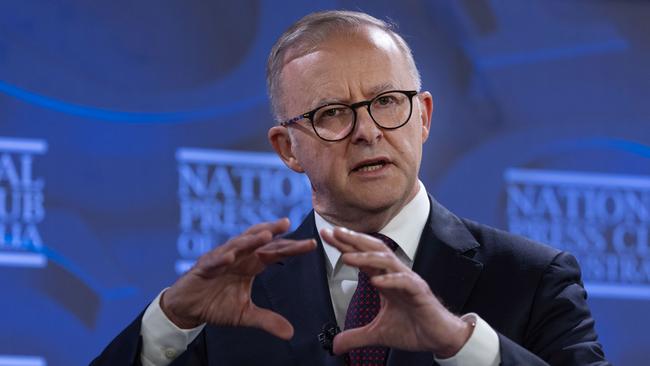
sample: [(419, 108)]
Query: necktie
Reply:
[(363, 307)]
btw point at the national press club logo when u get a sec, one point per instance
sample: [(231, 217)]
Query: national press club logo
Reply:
[(603, 219), (21, 203), (222, 193)]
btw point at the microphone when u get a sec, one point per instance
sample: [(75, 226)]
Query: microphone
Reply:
[(326, 336)]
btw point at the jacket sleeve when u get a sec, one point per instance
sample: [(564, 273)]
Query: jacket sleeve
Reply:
[(124, 349), (560, 330)]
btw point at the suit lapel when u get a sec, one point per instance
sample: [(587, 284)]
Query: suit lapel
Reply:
[(443, 260), (298, 289)]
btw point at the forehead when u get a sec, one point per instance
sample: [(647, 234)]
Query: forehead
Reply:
[(345, 68)]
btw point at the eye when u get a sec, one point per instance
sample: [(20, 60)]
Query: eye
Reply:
[(333, 112), (386, 100)]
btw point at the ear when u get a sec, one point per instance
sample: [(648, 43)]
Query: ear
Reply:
[(282, 144), (426, 111)]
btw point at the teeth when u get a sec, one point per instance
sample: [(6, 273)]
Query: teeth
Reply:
[(370, 168)]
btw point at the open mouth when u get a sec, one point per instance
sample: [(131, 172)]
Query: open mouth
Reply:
[(370, 166)]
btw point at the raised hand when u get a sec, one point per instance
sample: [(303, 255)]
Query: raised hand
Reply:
[(217, 289), (410, 317)]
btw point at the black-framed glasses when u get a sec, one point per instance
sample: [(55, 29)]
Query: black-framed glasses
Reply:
[(335, 121)]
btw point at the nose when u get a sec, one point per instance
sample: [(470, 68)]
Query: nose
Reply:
[(366, 130)]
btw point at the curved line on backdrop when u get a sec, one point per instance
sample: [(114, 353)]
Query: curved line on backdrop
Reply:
[(74, 289), (606, 142), (132, 117), (630, 146), (75, 270)]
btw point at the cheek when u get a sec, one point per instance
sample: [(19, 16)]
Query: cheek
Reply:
[(411, 141), (317, 162), (411, 151)]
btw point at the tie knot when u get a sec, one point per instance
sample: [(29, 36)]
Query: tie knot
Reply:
[(388, 241)]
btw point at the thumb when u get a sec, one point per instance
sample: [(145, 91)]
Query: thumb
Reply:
[(351, 339), (269, 321)]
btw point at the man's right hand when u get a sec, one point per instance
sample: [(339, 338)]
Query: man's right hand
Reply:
[(217, 289)]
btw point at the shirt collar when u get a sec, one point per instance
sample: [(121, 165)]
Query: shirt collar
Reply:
[(405, 228)]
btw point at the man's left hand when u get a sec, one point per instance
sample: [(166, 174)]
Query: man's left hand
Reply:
[(410, 317)]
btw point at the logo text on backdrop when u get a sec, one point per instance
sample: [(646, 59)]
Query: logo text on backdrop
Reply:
[(603, 219), (21, 203), (221, 193)]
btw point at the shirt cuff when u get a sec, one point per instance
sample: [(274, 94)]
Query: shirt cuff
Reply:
[(162, 340), (481, 349)]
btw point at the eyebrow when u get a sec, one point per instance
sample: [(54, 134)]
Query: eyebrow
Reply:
[(374, 91), (378, 89)]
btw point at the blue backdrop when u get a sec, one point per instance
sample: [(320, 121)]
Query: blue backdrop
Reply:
[(133, 139)]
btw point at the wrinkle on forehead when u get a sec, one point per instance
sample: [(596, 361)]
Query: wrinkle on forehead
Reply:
[(371, 92), (322, 83)]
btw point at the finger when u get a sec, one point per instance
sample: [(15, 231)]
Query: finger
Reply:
[(350, 339), (249, 242), (276, 227), (347, 241), (220, 261), (379, 262), (283, 248), (400, 282), (363, 242), (328, 236), (269, 321), (235, 248)]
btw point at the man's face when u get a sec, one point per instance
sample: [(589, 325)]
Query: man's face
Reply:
[(373, 171)]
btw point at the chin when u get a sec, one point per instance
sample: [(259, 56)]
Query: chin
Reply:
[(377, 202)]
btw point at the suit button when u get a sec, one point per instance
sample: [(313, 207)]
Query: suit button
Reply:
[(170, 353)]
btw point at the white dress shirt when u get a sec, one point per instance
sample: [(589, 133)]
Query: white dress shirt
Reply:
[(163, 341)]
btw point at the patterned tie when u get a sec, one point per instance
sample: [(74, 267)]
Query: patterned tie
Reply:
[(363, 307)]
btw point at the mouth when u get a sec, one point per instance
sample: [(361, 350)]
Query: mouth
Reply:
[(370, 165)]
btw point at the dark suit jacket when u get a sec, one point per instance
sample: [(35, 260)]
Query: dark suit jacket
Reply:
[(531, 294)]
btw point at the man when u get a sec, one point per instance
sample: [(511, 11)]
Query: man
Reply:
[(347, 93)]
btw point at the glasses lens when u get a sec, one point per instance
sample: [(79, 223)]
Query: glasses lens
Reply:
[(333, 122), (391, 110)]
